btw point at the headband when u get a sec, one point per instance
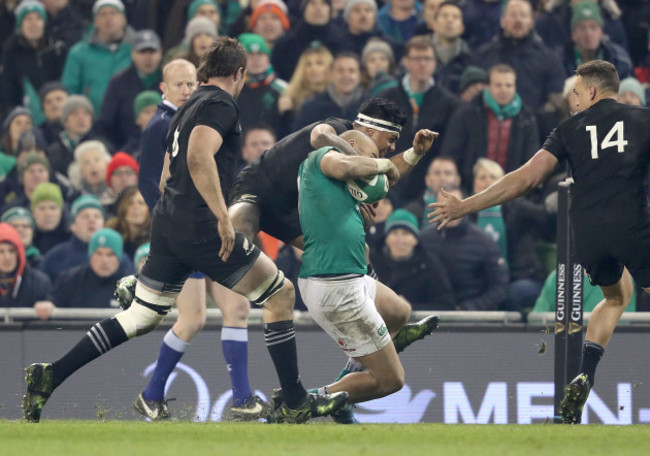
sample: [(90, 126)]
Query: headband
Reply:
[(378, 124)]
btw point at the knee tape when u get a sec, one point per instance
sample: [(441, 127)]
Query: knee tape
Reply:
[(145, 313), (267, 289), (138, 320)]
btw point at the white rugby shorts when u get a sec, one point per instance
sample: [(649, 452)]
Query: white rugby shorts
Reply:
[(345, 309)]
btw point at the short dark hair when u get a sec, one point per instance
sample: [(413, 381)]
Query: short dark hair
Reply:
[(347, 55), (448, 3), (224, 58), (259, 126), (381, 108), (419, 42), (601, 74), (500, 68)]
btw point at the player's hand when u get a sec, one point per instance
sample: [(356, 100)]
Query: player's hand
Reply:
[(392, 175), (447, 208), (368, 213), (423, 141), (227, 235), (44, 309)]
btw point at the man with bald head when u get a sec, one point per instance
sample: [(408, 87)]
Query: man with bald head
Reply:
[(333, 283)]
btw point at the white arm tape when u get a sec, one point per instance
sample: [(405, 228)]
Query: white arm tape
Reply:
[(411, 157)]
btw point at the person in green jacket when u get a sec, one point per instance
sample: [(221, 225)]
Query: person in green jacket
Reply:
[(91, 63)]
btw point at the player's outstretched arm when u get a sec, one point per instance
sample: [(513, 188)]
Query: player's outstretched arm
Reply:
[(512, 185), (323, 135), (202, 145), (407, 160), (344, 167)]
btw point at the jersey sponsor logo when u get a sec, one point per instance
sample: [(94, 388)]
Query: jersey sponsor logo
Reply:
[(381, 331)]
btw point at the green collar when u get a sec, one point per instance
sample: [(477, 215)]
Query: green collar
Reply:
[(502, 112)]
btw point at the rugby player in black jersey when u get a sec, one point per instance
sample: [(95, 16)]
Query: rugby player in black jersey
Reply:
[(191, 231), (607, 146)]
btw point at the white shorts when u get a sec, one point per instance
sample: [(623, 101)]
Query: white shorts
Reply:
[(345, 309)]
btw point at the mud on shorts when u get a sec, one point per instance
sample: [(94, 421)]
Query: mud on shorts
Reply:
[(345, 308), (277, 217), (171, 260), (603, 250)]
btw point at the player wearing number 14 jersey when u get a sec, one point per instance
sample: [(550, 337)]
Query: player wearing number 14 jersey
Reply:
[(607, 146)]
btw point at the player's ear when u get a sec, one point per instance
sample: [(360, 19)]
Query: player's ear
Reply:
[(241, 71), (353, 143)]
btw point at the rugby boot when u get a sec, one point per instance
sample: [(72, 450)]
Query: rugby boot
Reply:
[(255, 408), (154, 410), (39, 389), (345, 415), (125, 291), (413, 332), (313, 406), (575, 396)]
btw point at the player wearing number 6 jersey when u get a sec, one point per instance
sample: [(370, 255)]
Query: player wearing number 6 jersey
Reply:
[(607, 146)]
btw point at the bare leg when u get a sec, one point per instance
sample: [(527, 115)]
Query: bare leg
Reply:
[(234, 307), (606, 314), (394, 309), (385, 375), (191, 310)]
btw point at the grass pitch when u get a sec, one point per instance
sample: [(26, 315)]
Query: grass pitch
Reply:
[(123, 438)]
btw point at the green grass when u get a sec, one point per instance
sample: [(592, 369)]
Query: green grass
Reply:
[(122, 438)]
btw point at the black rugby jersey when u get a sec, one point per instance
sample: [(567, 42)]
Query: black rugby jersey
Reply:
[(278, 166), (181, 203), (608, 149)]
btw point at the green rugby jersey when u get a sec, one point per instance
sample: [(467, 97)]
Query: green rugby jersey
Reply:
[(331, 222)]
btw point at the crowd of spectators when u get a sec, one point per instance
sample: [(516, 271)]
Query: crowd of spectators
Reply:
[(85, 85)]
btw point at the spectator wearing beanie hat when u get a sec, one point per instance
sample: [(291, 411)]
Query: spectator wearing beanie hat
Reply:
[(20, 284), (30, 140), (48, 211), (472, 81), (87, 217), (91, 285), (631, 92), (23, 222), (32, 170), (140, 255), (258, 100), (404, 266), (77, 121), (91, 63), (553, 25), (270, 21), (378, 63), (53, 96), (17, 121), (200, 32), (30, 59), (589, 42), (122, 172), (144, 108), (316, 25), (116, 121)]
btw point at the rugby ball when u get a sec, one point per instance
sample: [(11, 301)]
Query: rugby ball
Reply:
[(368, 189)]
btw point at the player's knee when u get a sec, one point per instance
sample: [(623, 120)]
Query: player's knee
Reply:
[(392, 382), (192, 324), (397, 314), (146, 312), (138, 320)]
